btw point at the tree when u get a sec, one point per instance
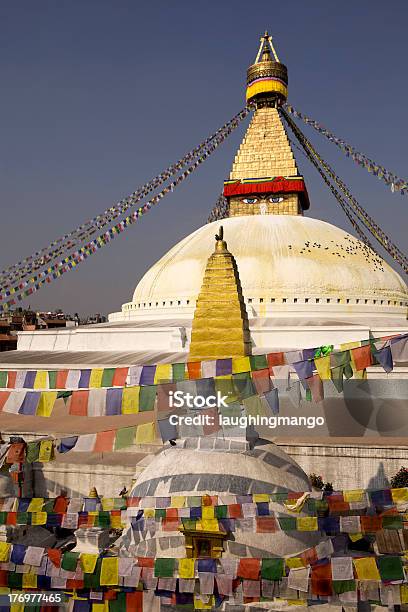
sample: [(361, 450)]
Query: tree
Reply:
[(400, 479)]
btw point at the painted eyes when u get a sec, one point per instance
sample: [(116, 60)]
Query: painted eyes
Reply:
[(272, 199)]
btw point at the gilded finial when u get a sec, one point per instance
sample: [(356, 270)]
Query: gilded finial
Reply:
[(93, 493), (220, 235)]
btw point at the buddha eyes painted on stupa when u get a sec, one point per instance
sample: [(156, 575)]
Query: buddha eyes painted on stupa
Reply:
[(273, 199)]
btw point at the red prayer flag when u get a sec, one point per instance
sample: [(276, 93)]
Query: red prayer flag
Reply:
[(194, 369), (261, 381), (371, 524), (4, 395), (16, 453), (214, 424), (3, 578), (321, 580), (74, 584), (134, 601), (79, 403), (119, 377), (11, 518), (61, 379), (145, 561), (60, 504), (55, 555), (104, 441), (308, 556), (275, 359), (170, 524), (171, 513), (362, 357), (249, 569), (234, 511), (11, 379), (266, 524)]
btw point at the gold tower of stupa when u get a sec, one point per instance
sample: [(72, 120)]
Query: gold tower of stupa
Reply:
[(220, 326)]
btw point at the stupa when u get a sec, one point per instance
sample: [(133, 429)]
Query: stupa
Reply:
[(302, 283)]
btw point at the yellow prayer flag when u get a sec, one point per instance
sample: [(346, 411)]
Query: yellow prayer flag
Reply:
[(186, 568), (96, 377), (366, 569), (130, 400), (46, 403), (29, 581), (178, 501), (4, 552), (200, 605), (108, 503), (399, 495), (148, 512), (16, 607), (41, 380), (294, 562), (258, 498), (109, 571), (38, 518), (323, 367), (145, 433), (404, 593), (116, 522), (353, 495), (100, 607), (210, 525), (306, 523), (208, 512), (240, 364), (354, 537), (46, 452), (164, 373), (347, 346), (88, 562), (36, 504)]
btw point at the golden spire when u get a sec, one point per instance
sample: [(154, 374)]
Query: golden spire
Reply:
[(267, 77), (220, 325)]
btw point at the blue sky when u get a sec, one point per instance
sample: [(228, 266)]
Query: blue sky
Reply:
[(99, 96)]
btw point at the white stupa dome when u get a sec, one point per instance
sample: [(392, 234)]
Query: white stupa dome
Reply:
[(285, 262)]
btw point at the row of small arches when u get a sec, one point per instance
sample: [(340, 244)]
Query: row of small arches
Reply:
[(354, 301)]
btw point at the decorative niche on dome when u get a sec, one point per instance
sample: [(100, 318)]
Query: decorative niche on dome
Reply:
[(201, 544)]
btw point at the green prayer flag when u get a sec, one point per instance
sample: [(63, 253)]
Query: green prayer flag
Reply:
[(221, 512), (48, 506), (272, 569), (125, 437), (3, 518), (393, 522), (164, 568), (160, 513), (390, 568), (189, 524), (179, 371), (69, 561), (92, 581), (14, 580), (22, 518), (308, 395), (287, 523), (103, 519), (321, 506), (243, 385), (258, 362), (343, 586), (147, 398), (118, 604), (107, 377), (337, 378), (341, 358), (193, 501), (3, 379), (33, 452), (52, 379)]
